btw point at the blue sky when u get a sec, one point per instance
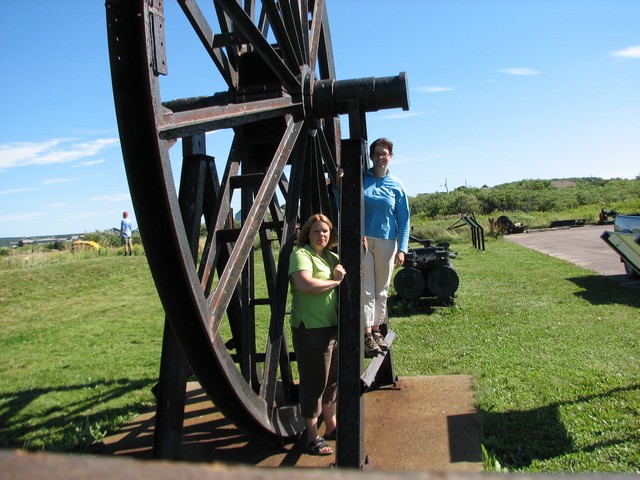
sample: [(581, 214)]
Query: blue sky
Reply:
[(500, 90)]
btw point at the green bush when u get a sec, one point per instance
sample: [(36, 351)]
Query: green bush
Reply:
[(106, 238), (57, 245), (532, 196), (111, 238)]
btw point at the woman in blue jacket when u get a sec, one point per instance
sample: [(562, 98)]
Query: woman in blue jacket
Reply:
[(386, 230)]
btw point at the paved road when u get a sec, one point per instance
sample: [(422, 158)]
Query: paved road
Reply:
[(579, 245)]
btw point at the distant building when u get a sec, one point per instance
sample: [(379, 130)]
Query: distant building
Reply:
[(41, 240)]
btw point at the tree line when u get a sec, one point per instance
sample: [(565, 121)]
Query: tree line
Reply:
[(530, 196)]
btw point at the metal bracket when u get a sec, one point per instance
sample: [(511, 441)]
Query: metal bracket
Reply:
[(157, 50), (380, 371)]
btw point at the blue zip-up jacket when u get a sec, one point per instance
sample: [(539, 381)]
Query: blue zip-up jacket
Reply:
[(386, 209)]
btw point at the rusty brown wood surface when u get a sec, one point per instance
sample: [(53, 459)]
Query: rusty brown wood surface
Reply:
[(426, 423)]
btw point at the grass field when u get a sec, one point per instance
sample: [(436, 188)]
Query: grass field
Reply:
[(553, 350), (79, 351)]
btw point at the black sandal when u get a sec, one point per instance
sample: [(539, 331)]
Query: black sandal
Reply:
[(331, 435), (317, 446)]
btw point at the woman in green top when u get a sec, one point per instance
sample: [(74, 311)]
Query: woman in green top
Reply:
[(315, 272)]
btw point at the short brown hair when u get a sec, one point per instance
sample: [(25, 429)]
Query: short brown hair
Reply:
[(303, 234), (384, 142)]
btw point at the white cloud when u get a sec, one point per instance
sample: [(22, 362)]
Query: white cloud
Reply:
[(430, 157), (17, 217), (16, 190), (55, 181), (519, 71), (434, 89), (392, 116), (629, 52), (58, 150), (89, 163), (94, 131), (122, 197)]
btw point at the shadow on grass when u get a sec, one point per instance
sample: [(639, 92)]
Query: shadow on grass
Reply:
[(519, 438), (600, 290), (61, 422), (207, 436), (400, 307)]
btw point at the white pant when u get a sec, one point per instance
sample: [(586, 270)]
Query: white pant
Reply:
[(378, 269)]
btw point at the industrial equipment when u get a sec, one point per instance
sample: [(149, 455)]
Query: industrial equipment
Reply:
[(427, 272), (263, 72)]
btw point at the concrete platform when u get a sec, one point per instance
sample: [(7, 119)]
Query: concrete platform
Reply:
[(423, 424)]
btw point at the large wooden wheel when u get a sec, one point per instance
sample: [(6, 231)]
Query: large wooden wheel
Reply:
[(282, 103)]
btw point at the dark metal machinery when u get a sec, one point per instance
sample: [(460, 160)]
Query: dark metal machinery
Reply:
[(427, 272), (477, 232), (282, 103)]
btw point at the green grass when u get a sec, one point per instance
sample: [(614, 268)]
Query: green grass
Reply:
[(553, 350), (79, 350), (554, 353), (440, 228)]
